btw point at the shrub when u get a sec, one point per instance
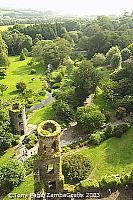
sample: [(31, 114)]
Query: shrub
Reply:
[(109, 182), (95, 138), (121, 112), (89, 184), (33, 71), (109, 130), (30, 140), (75, 167), (120, 129), (28, 165), (21, 86), (126, 178), (22, 56), (11, 175)]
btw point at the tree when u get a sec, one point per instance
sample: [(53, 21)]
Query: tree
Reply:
[(110, 53), (11, 175), (52, 51), (85, 80), (21, 86), (89, 118), (4, 61), (75, 167), (116, 60), (62, 110), (125, 53), (22, 55), (98, 59), (3, 88)]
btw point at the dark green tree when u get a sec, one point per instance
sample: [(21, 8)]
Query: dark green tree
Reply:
[(85, 80), (89, 118)]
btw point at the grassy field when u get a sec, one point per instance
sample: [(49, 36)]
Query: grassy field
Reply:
[(44, 113), (20, 71), (25, 187), (6, 156), (112, 156)]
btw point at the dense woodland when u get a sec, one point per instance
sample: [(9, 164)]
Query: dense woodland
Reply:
[(74, 60)]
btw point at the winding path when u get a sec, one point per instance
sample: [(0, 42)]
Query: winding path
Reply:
[(43, 103)]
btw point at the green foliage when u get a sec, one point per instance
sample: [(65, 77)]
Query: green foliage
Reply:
[(22, 55), (95, 138), (17, 41), (111, 53), (21, 86), (89, 184), (125, 53), (75, 167), (120, 129), (52, 52), (6, 137), (109, 182), (89, 118), (30, 140), (11, 175), (98, 59), (121, 113), (115, 60), (85, 80), (109, 130), (3, 88), (4, 61), (62, 111), (28, 165), (33, 71)]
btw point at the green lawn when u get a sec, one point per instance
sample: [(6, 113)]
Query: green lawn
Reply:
[(112, 156), (25, 187), (20, 71), (42, 114), (6, 156)]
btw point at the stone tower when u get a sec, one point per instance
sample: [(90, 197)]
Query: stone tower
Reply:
[(48, 172), (18, 119)]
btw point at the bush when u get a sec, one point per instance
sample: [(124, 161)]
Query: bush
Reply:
[(11, 175), (89, 184), (109, 182), (28, 165), (30, 140), (21, 86), (22, 56), (126, 178), (109, 130), (33, 71), (95, 138), (75, 167), (121, 113), (120, 129)]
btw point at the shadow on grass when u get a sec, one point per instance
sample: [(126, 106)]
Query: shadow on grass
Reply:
[(26, 70), (15, 92)]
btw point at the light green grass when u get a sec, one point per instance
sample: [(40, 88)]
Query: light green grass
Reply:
[(20, 71), (112, 156), (6, 156), (4, 28), (42, 114), (25, 187)]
